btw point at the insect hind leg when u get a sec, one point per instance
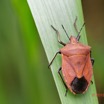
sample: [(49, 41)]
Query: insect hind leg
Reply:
[(63, 81)]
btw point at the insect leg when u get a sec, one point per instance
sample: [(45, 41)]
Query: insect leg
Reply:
[(58, 35), (75, 26), (63, 81), (53, 58), (92, 60), (91, 82)]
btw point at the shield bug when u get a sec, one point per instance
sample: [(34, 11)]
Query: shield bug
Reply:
[(76, 63)]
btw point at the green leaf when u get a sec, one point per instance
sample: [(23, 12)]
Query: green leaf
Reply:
[(56, 13)]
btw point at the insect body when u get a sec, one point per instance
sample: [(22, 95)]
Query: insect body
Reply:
[(76, 64)]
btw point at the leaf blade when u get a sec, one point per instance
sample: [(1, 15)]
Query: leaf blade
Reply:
[(51, 12)]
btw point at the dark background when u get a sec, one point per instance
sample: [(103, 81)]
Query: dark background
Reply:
[(24, 76), (94, 19)]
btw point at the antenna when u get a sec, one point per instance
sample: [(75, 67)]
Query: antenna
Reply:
[(78, 36), (65, 32)]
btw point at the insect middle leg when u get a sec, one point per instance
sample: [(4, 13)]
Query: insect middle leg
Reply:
[(63, 80), (54, 58), (92, 60)]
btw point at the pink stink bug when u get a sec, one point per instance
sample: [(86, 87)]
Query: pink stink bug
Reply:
[(76, 63)]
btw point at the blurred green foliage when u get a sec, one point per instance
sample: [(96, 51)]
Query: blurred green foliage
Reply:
[(24, 76), (94, 19)]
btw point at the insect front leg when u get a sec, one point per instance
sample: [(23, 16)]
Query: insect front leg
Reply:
[(75, 26), (63, 80), (58, 35), (78, 32), (54, 58)]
